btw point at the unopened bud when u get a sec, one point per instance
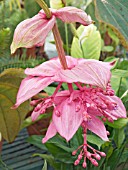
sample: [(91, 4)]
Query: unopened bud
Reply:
[(88, 154), (97, 156), (76, 162), (74, 153), (77, 108), (102, 154), (94, 162), (108, 133), (57, 113), (84, 164), (80, 157)]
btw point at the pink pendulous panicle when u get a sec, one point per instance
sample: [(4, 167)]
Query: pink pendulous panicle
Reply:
[(88, 107)]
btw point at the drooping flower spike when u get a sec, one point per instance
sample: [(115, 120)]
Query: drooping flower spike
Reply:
[(87, 107), (33, 32)]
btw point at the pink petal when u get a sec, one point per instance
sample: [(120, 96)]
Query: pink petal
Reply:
[(97, 127), (29, 87), (88, 71), (61, 96), (51, 67), (48, 68), (35, 115), (69, 120), (120, 112), (32, 32), (50, 132), (72, 14)]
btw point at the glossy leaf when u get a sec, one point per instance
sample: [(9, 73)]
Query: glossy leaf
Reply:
[(95, 140), (37, 141), (45, 165), (118, 123), (88, 45), (11, 120), (114, 13)]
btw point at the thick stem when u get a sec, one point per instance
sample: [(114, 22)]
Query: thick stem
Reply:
[(44, 6), (59, 46)]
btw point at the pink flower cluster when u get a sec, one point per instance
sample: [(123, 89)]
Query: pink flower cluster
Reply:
[(89, 106), (93, 103)]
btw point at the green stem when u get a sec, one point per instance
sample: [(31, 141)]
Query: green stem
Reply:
[(66, 35), (44, 6), (74, 32)]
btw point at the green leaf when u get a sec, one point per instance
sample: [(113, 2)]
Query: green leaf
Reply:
[(58, 147), (107, 48), (113, 36), (11, 120), (111, 59), (50, 90), (77, 139), (115, 82), (119, 137), (48, 158), (123, 65), (124, 156), (118, 123), (37, 141), (45, 165), (120, 73), (114, 13), (95, 140), (88, 45)]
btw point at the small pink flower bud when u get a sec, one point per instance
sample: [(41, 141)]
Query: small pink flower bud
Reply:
[(110, 119), (88, 154), (74, 153), (80, 157), (38, 107), (97, 156), (94, 162), (108, 133), (76, 162), (77, 108), (102, 154), (104, 119), (33, 103), (57, 113), (84, 164)]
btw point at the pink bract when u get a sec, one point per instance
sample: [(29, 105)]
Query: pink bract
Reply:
[(33, 32), (52, 71)]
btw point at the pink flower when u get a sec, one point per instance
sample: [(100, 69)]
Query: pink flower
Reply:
[(86, 107), (90, 105), (91, 72), (33, 32)]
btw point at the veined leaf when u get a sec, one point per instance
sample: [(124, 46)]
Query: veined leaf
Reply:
[(11, 120), (115, 14), (88, 45)]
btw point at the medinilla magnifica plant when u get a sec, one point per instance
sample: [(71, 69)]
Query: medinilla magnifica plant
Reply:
[(89, 105)]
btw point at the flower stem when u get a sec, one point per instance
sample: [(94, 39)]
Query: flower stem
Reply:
[(57, 37), (66, 35), (44, 6), (59, 46)]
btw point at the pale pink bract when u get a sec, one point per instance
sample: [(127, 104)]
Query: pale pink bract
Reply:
[(33, 32), (52, 71)]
